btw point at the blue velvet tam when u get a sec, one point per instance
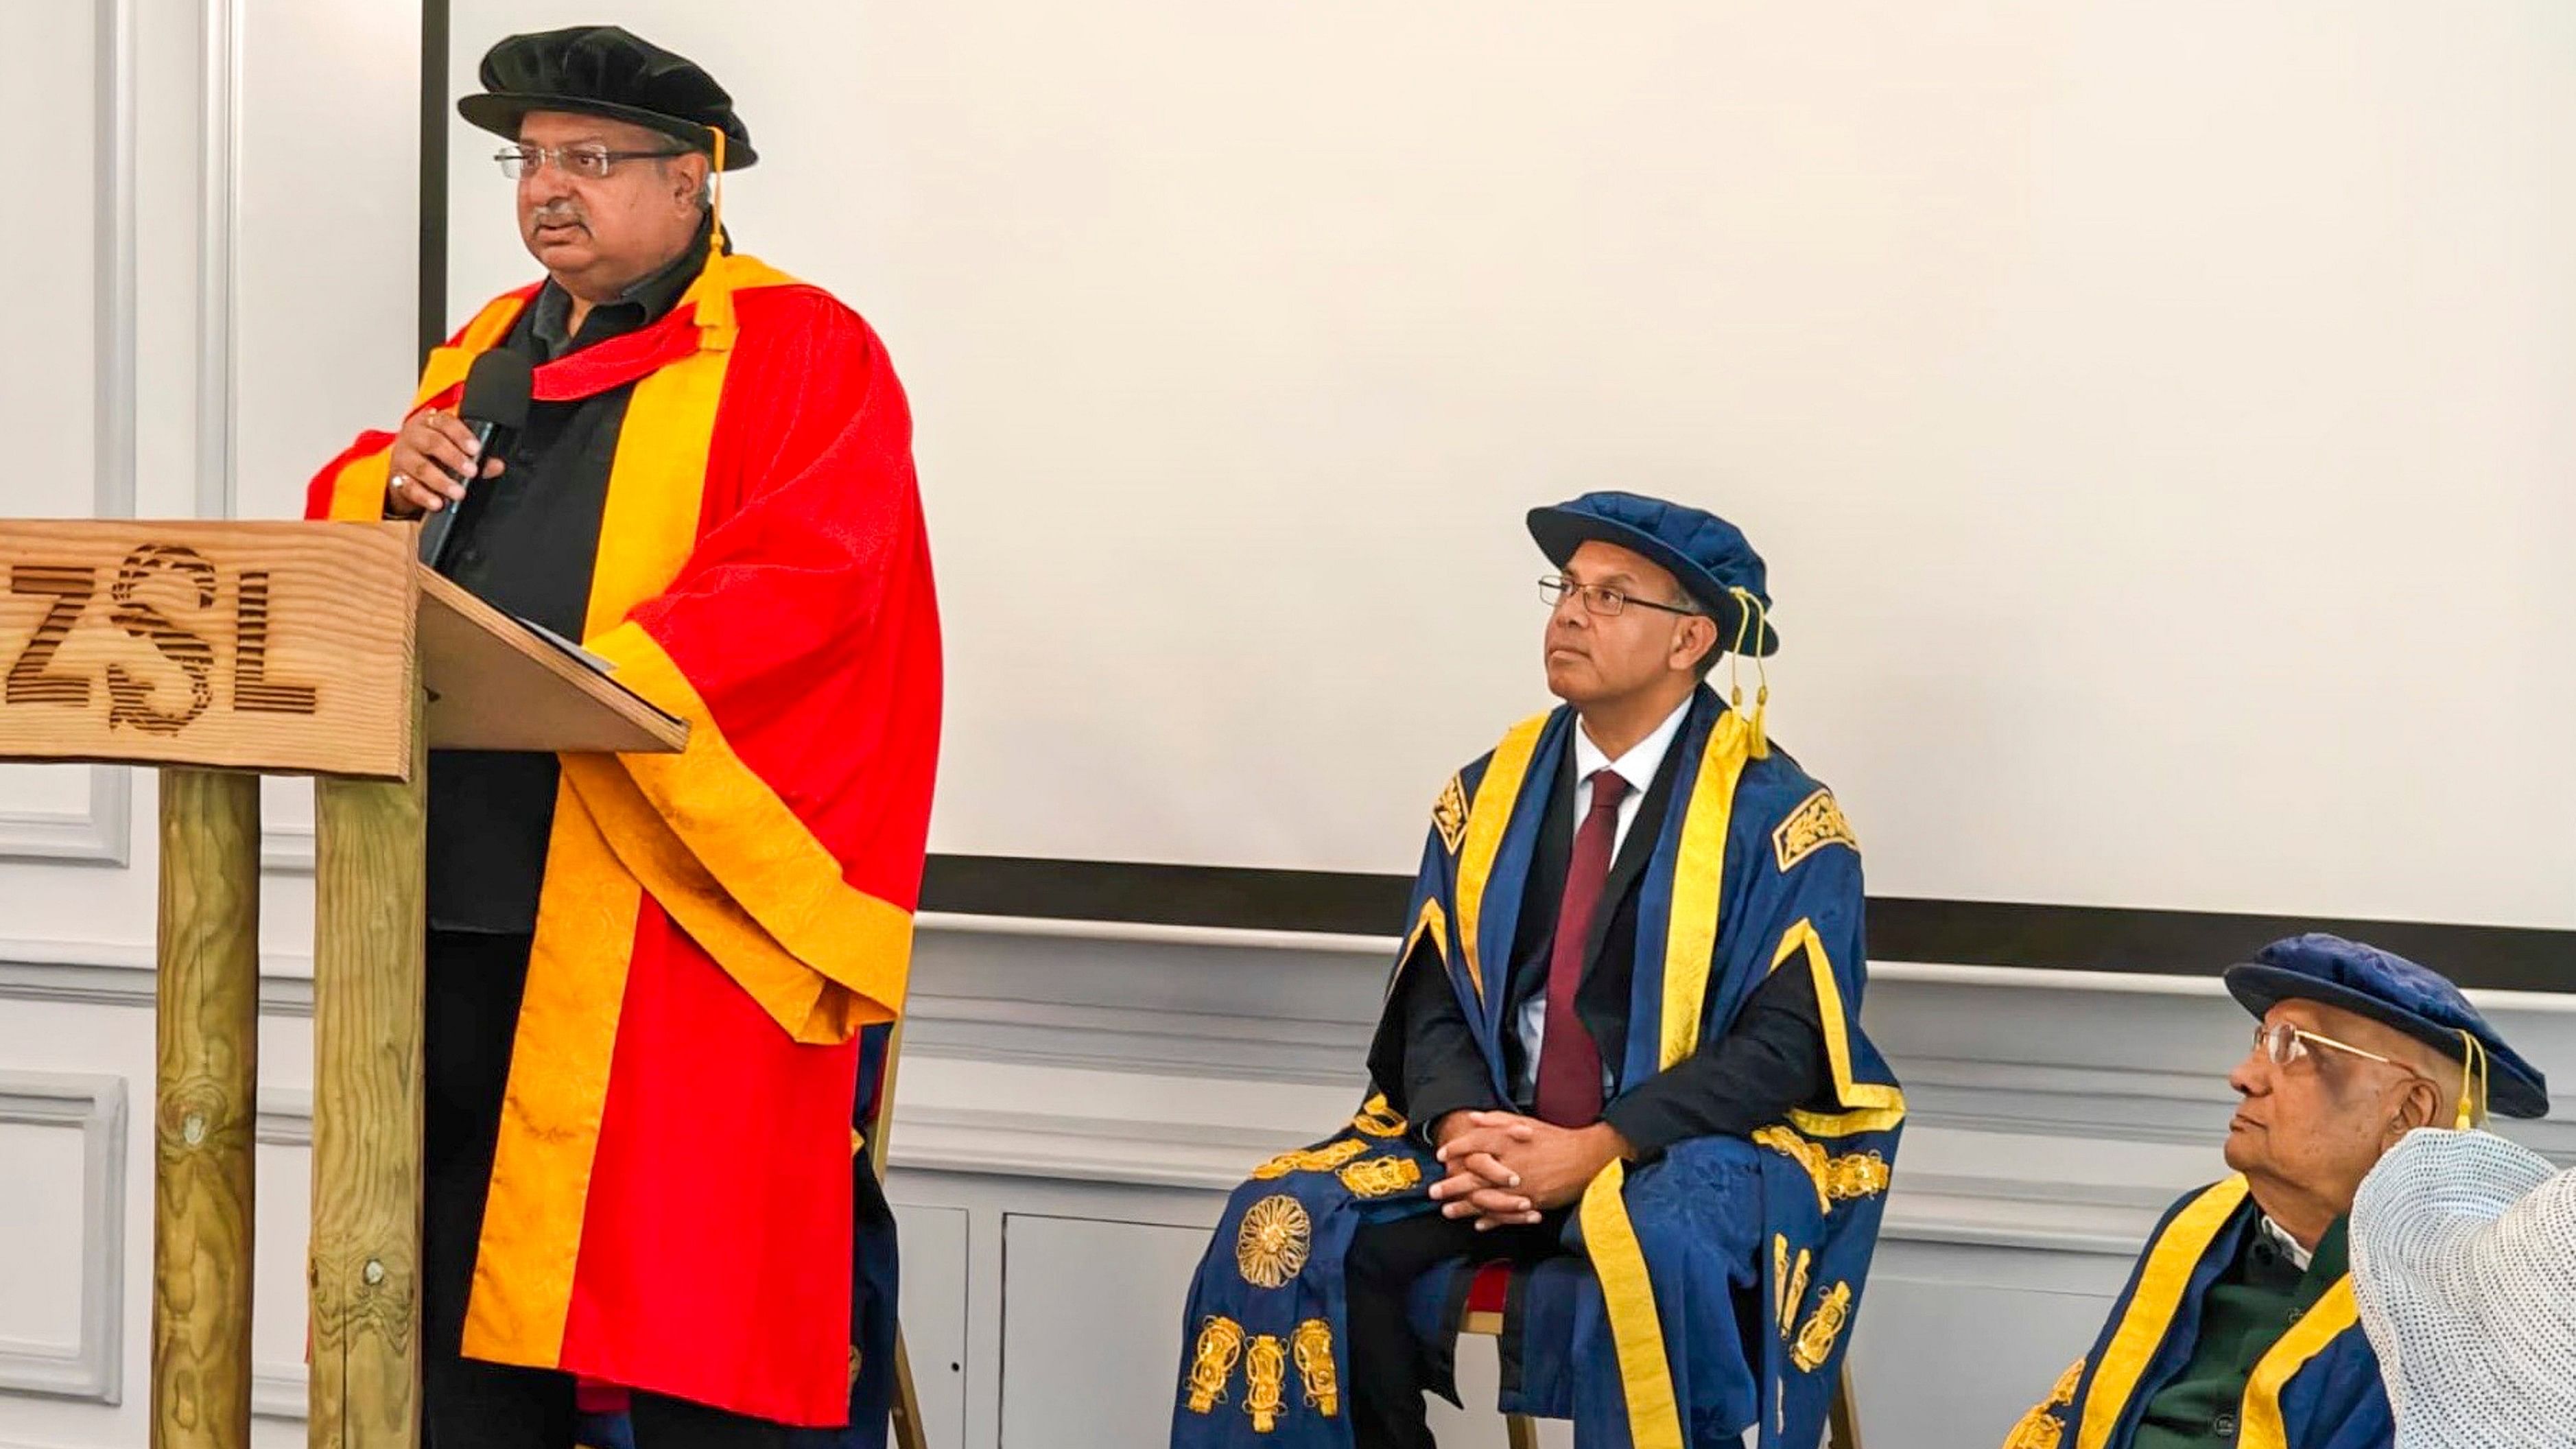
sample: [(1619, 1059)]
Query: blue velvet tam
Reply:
[(2390, 989), (601, 70), (1709, 556)]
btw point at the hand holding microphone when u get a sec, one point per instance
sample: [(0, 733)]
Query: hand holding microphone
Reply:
[(435, 454)]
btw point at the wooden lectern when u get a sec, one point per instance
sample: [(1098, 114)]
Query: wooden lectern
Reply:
[(220, 652)]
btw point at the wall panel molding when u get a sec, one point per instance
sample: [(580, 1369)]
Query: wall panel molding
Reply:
[(118, 974), (93, 1105), (282, 1391), (218, 213), (1980, 1057), (286, 849), (101, 833)]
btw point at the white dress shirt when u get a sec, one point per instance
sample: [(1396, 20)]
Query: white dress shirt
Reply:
[(2289, 1246), (1638, 768)]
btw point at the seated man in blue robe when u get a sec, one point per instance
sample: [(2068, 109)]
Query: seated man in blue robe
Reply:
[(1620, 1051), (2239, 1326)]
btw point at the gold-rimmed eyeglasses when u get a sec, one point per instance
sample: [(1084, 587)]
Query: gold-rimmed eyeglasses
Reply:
[(589, 162), (2283, 1043), (1599, 598)]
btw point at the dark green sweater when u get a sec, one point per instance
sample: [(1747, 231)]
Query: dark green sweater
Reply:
[(2247, 1310)]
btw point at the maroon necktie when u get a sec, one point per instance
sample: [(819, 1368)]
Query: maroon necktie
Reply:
[(1569, 1063)]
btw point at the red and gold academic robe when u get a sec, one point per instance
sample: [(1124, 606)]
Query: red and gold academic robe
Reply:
[(670, 1206)]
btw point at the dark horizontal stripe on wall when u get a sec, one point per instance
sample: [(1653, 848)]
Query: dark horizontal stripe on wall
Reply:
[(432, 299), (2198, 943), (1238, 897), (1901, 928)]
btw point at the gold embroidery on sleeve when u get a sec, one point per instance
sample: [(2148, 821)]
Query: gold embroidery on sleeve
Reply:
[(1795, 1296), (1780, 1276), (1382, 1176), (1313, 1348), (1310, 1159), (1265, 1372), (1271, 1247), (1811, 827), (1858, 1174), (2043, 1427), (1807, 1155), (1212, 1362), (1837, 1179), (1816, 1338), (1377, 1119)]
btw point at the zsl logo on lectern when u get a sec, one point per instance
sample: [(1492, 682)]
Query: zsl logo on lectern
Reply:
[(152, 572)]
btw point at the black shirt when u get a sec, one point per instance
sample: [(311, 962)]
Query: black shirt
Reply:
[(525, 544)]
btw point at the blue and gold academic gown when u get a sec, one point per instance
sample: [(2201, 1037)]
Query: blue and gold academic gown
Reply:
[(1712, 1288), (2317, 1387)]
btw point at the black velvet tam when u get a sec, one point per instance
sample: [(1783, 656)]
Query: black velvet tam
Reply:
[(601, 70)]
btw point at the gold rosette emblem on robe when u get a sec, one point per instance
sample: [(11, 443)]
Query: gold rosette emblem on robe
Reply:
[(1271, 1247)]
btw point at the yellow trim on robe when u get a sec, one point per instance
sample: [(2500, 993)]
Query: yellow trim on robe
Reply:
[(1636, 1327), (1870, 1106), (712, 294), (1690, 947), (649, 525), (2259, 1422), (549, 1136), (1434, 923), (592, 899), (748, 881), (735, 867), (358, 489), (2170, 1264), (1487, 819), (447, 365), (1699, 887)]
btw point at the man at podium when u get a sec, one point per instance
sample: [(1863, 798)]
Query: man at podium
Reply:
[(648, 976)]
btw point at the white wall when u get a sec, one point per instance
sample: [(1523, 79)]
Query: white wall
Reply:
[(1073, 1107), (2153, 410)]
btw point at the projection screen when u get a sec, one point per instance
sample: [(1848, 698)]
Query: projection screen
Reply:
[(2156, 416)]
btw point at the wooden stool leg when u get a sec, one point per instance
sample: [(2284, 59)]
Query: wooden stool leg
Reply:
[(906, 1412), (1842, 1421), (206, 1110), (369, 926), (1520, 1431)]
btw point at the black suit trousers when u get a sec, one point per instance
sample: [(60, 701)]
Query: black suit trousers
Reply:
[(1389, 1368)]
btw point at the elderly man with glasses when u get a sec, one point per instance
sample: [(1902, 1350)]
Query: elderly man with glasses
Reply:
[(2239, 1325), (1621, 1053), (650, 977)]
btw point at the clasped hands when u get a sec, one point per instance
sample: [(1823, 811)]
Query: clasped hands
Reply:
[(1506, 1170)]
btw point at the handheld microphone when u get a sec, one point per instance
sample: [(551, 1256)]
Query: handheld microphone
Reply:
[(495, 406)]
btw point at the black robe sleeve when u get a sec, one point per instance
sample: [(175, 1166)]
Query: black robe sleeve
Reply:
[(1771, 1060)]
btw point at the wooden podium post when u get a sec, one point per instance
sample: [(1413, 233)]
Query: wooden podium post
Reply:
[(221, 651)]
